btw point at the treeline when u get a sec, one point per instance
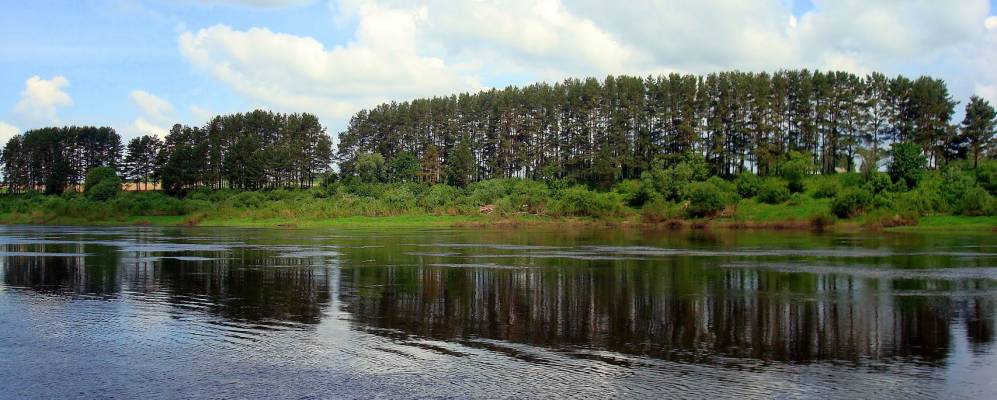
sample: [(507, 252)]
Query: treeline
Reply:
[(54, 158), (251, 151), (600, 132)]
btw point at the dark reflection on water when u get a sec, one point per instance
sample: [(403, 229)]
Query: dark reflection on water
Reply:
[(457, 313)]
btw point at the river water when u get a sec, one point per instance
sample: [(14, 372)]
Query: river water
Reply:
[(477, 313)]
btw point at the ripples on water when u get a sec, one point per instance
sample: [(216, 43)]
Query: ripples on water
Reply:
[(209, 313)]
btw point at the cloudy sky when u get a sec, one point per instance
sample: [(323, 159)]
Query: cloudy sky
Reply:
[(140, 66)]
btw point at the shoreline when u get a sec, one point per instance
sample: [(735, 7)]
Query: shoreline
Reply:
[(927, 224)]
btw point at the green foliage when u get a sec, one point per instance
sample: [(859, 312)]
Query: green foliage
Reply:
[(461, 165), (851, 202), (954, 185), (369, 167), (102, 183), (975, 201), (748, 185), (707, 199), (795, 169), (404, 167), (441, 198), (986, 176), (634, 192), (580, 201), (774, 191), (877, 182), (907, 163), (826, 189)]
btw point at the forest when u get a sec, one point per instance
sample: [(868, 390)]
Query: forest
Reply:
[(601, 132), (735, 146), (251, 151)]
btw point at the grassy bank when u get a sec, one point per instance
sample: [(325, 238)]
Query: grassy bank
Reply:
[(950, 200)]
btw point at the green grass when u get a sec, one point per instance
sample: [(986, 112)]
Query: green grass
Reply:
[(753, 211)]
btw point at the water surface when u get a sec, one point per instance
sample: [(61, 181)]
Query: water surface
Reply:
[(222, 313)]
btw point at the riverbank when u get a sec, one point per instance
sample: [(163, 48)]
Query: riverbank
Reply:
[(925, 224), (846, 202)]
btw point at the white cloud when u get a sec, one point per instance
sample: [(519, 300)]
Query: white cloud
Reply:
[(407, 48), (41, 99), (152, 106), (141, 127), (156, 114), (7, 131), (300, 74)]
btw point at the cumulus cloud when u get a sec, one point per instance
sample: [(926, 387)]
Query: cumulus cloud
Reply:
[(523, 35), (41, 99), (299, 73), (983, 59), (7, 131), (407, 48), (156, 114)]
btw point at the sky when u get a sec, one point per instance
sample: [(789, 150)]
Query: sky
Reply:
[(141, 66)]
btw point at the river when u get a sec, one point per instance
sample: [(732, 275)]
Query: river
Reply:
[(480, 313)]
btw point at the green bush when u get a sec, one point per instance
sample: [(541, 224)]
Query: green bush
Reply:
[(954, 185), (440, 197), (826, 189), (907, 163), (660, 210), (706, 199), (580, 201), (634, 192), (878, 182), (748, 185), (102, 183), (851, 202), (975, 201), (774, 191), (795, 169), (247, 200), (986, 176)]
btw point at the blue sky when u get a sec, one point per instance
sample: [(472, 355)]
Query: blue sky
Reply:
[(139, 66)]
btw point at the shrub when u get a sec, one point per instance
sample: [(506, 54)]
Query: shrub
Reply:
[(986, 176), (795, 170), (634, 192), (953, 187), (249, 200), (907, 163), (774, 191), (370, 167), (440, 196), (102, 183), (851, 202), (659, 210), (706, 199), (826, 189), (748, 185), (580, 201), (399, 198), (975, 201), (878, 182)]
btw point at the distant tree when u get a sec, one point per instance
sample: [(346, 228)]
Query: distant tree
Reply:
[(370, 167), (461, 165), (907, 163), (102, 183), (140, 162), (979, 127), (403, 167)]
